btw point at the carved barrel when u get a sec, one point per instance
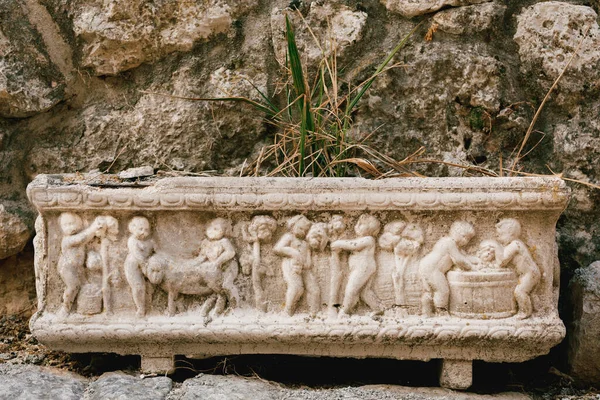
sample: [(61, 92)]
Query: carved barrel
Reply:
[(328, 267), (488, 294)]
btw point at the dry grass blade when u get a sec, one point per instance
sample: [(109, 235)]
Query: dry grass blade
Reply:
[(363, 164), (261, 107), (543, 103), (557, 175), (481, 170)]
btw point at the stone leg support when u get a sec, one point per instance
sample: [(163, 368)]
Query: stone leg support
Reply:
[(456, 374), (157, 365)]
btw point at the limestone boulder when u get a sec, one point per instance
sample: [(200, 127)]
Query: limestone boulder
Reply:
[(23, 382), (14, 231), (30, 82), (584, 347), (119, 36), (412, 8), (442, 98), (214, 387), (154, 128), (118, 385), (549, 33), (335, 27), (469, 19)]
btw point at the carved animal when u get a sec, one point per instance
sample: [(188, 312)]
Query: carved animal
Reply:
[(194, 277)]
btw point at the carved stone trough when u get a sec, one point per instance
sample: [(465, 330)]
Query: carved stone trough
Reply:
[(458, 269)]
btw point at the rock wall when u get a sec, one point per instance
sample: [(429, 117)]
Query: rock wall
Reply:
[(78, 77)]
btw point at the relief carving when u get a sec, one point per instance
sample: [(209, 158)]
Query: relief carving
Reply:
[(140, 248), (211, 274), (400, 271), (515, 252), (488, 291), (433, 267), (40, 242), (297, 265), (405, 241), (74, 257), (362, 265), (259, 231), (337, 228)]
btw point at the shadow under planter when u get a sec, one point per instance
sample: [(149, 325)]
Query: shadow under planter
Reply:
[(459, 269)]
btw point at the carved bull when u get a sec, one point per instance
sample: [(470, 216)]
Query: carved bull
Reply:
[(194, 277)]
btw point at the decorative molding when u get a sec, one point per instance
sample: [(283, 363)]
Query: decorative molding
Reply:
[(242, 194)]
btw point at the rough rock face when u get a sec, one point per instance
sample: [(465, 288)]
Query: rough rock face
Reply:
[(117, 385), (584, 347), (549, 33), (469, 19), (436, 86), (228, 387), (412, 8), (29, 81), (22, 382), (17, 285), (14, 233), (122, 35), (335, 27)]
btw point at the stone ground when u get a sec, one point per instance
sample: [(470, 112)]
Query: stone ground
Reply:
[(28, 370)]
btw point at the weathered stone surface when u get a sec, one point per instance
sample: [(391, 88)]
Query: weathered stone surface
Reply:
[(138, 172), (29, 81), (584, 347), (362, 268), (334, 25), (150, 131), (14, 233), (122, 35), (451, 89), (214, 387), (412, 8), (548, 33), (120, 386), (469, 19), (26, 382), (17, 285)]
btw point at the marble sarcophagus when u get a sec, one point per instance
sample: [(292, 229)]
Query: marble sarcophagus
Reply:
[(458, 269)]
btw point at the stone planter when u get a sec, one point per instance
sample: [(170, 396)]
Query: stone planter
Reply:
[(327, 267)]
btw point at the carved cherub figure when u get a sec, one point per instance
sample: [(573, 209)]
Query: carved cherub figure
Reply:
[(515, 251), (260, 230), (336, 229), (297, 265), (140, 248), (73, 255), (405, 241), (317, 237), (362, 265), (217, 255), (433, 267), (489, 255)]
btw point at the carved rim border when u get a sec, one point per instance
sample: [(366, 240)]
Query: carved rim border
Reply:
[(546, 332), (57, 192)]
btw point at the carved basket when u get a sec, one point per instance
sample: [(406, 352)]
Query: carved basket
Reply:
[(328, 267)]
